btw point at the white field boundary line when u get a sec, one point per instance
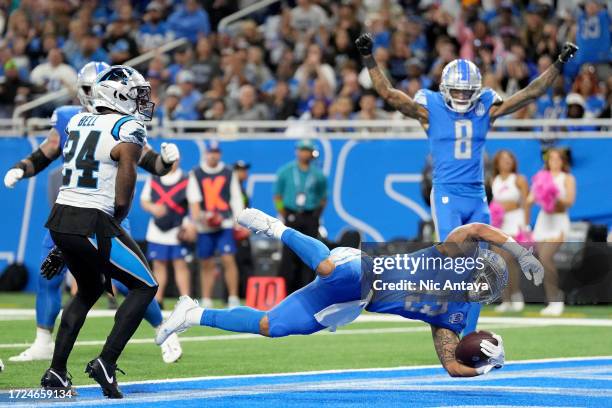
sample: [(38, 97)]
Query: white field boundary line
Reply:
[(226, 337), (407, 384), (13, 314)]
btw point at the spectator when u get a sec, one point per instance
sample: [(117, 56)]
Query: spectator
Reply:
[(187, 107), (165, 198), (217, 111), (586, 84), (72, 45), (206, 65), (593, 35), (307, 17), (368, 109), (54, 74), (168, 110), (215, 199), (284, 72), (281, 103), (13, 89), (313, 68), (248, 107), (344, 48), (190, 21), (182, 60), (90, 50), (256, 71), (300, 195), (119, 44), (154, 32)]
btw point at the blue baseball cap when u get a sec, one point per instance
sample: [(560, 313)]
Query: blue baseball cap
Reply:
[(212, 146)]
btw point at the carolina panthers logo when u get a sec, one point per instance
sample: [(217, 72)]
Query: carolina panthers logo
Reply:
[(480, 109), (455, 318), (139, 134)]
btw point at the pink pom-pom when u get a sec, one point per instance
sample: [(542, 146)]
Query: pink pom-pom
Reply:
[(497, 214), (545, 191), (525, 237)]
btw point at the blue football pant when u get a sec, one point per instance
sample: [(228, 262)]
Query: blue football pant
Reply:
[(451, 211)]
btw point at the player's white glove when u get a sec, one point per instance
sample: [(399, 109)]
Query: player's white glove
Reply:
[(496, 355), (12, 177), (531, 267), (169, 153)]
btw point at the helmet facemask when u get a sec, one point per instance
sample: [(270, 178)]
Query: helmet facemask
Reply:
[(494, 273), (144, 105)]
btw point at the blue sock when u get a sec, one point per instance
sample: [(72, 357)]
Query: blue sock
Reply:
[(239, 319), (311, 251)]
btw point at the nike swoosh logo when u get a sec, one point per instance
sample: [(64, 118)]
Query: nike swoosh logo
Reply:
[(64, 382), (109, 379)]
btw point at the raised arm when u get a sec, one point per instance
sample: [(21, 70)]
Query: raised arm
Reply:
[(530, 266), (537, 87), (159, 164), (36, 162), (394, 97)]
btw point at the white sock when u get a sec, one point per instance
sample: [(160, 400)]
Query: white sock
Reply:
[(194, 316), (43, 336), (517, 297)]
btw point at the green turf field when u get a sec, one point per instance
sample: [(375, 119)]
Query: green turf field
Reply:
[(360, 345)]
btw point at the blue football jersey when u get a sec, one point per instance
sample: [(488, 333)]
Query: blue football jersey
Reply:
[(60, 118), (442, 308), (456, 140), (593, 38)]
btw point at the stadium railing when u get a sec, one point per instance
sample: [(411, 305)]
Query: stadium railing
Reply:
[(226, 21), (336, 129)]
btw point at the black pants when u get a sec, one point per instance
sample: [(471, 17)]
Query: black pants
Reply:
[(91, 268), (296, 274)]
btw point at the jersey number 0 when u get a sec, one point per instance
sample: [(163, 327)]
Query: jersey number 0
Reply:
[(463, 139), (84, 160)]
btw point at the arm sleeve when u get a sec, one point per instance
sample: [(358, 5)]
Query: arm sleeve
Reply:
[(193, 192), (145, 195), (236, 202)]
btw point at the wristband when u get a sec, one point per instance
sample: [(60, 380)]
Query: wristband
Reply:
[(559, 65), (20, 165), (369, 62)]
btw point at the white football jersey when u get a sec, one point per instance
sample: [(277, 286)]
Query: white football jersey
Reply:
[(89, 172)]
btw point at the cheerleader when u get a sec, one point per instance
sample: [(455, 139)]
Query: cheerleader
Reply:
[(510, 191), (554, 190)]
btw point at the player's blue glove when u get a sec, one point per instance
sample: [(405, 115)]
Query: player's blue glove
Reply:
[(495, 353), (53, 264)]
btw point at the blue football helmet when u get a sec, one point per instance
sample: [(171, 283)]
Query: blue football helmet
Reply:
[(494, 273), (85, 80), (461, 85)]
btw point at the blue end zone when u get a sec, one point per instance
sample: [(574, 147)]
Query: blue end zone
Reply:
[(570, 382)]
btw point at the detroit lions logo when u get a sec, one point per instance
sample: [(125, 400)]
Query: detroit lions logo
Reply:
[(480, 109), (455, 318)]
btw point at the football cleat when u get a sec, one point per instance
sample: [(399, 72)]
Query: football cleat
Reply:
[(260, 222), (177, 322), (171, 349), (104, 374), (56, 380), (35, 352)]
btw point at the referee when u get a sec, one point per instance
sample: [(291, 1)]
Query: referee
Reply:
[(300, 194)]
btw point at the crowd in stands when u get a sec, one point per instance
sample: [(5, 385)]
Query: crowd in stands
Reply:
[(298, 59)]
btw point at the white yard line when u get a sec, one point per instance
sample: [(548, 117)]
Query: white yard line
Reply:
[(226, 337)]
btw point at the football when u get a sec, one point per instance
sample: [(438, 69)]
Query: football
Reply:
[(468, 350)]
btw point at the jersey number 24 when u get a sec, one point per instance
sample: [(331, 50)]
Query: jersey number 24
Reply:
[(84, 160), (463, 139)]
